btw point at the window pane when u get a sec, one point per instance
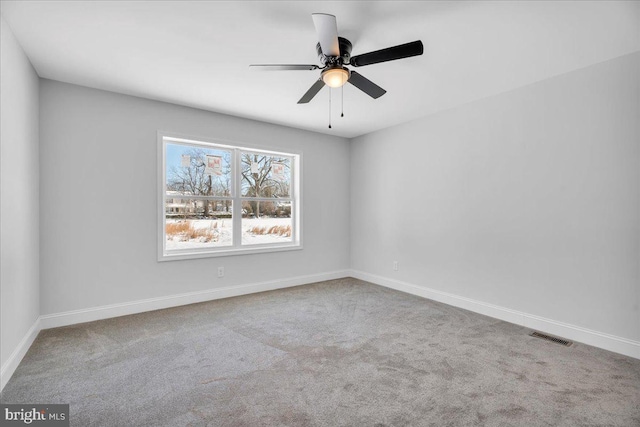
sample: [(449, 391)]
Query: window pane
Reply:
[(266, 222), (265, 175), (204, 179), (192, 224), (200, 171)]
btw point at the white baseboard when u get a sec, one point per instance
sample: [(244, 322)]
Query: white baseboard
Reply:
[(598, 339), (122, 309), (576, 333), (9, 367)]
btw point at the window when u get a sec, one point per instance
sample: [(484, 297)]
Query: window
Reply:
[(221, 199)]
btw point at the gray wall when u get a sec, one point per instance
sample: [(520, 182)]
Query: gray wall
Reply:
[(99, 198), (528, 200), (19, 170)]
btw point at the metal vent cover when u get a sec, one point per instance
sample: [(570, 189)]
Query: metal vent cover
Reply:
[(556, 340)]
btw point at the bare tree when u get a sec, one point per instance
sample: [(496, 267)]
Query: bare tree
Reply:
[(257, 179), (194, 179)]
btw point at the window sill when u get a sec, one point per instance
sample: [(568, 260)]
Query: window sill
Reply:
[(176, 256)]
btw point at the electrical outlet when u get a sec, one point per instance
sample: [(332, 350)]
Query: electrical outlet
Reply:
[(220, 271), (395, 265)]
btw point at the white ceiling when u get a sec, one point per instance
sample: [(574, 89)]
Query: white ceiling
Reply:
[(197, 53)]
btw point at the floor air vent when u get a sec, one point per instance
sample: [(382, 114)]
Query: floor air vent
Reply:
[(556, 340)]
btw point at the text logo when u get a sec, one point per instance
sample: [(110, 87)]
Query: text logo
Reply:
[(34, 415)]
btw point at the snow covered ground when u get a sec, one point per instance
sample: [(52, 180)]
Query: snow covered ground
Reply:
[(222, 232)]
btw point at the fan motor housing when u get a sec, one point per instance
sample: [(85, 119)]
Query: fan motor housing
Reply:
[(345, 53)]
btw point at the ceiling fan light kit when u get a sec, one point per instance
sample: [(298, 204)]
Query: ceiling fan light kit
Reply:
[(335, 52), (335, 76)]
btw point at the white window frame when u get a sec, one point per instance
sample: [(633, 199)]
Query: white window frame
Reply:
[(236, 190)]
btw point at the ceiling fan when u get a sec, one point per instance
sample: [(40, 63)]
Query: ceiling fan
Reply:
[(335, 52)]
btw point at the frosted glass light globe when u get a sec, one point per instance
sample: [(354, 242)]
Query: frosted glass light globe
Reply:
[(335, 77)]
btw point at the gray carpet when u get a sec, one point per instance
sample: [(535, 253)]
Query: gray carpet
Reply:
[(338, 353)]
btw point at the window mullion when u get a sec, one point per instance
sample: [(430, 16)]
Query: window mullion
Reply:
[(237, 199), (195, 197), (267, 199)]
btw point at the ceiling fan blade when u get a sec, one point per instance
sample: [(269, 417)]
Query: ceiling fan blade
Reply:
[(280, 67), (389, 54), (313, 90), (366, 85), (327, 30)]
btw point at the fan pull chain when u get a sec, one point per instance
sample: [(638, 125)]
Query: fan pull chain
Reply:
[(329, 108), (342, 101)]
